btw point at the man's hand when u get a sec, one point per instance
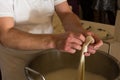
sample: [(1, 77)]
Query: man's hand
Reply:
[(95, 46), (70, 42)]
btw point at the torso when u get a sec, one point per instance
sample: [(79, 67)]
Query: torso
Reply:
[(34, 15)]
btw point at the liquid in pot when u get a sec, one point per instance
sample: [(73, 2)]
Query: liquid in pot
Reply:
[(70, 74)]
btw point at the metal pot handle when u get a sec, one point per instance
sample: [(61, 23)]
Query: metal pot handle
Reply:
[(33, 71)]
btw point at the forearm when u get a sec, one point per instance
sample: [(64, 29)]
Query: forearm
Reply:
[(71, 23), (22, 40)]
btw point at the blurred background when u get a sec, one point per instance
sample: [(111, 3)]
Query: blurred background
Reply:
[(103, 11)]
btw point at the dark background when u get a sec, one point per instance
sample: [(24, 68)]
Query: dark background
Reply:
[(103, 11)]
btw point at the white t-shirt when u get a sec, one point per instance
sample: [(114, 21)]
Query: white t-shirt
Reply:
[(33, 16)]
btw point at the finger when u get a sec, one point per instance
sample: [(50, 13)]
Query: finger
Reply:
[(91, 49), (81, 37), (75, 46), (74, 40), (70, 50), (98, 44)]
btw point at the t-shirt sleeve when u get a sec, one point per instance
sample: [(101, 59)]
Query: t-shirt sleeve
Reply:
[(6, 8), (59, 1)]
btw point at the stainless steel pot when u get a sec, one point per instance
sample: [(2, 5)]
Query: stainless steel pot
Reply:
[(100, 63)]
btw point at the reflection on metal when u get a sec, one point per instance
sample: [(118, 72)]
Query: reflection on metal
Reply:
[(33, 71)]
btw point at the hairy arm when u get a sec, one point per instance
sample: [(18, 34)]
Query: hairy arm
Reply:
[(14, 38), (70, 21)]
